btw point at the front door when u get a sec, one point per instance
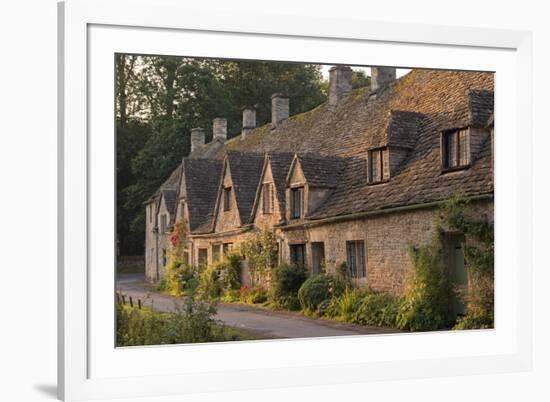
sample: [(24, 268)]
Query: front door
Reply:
[(458, 274), (317, 256)]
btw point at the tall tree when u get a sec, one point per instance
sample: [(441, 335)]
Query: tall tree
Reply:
[(170, 95)]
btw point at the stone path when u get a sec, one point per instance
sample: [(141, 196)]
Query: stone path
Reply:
[(271, 324)]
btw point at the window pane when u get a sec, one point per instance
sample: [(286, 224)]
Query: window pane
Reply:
[(361, 259), (450, 149), (464, 157)]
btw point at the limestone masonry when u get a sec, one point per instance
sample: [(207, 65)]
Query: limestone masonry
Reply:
[(357, 179)]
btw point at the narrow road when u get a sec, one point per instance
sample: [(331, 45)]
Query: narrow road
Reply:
[(271, 324)]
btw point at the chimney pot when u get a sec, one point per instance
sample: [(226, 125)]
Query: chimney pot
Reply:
[(219, 128), (381, 76), (197, 138), (280, 109), (339, 83), (249, 120)]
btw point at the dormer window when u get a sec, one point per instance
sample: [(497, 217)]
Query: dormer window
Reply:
[(163, 225), (455, 149), (267, 198), (226, 198), (296, 197), (376, 163)]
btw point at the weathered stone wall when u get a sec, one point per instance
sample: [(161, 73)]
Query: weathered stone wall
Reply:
[(150, 242), (227, 220), (387, 240), (276, 215)]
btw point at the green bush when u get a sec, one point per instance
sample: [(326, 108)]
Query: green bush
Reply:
[(426, 305), (347, 304), (192, 322), (255, 295), (220, 278), (285, 283), (377, 309), (172, 281), (314, 292)]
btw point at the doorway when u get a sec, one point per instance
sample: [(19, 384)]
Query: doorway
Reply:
[(458, 274), (317, 256)]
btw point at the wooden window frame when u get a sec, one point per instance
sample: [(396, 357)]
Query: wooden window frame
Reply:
[(293, 247), (356, 265), (445, 154), (217, 256), (370, 166), (267, 198), (226, 199), (293, 191)]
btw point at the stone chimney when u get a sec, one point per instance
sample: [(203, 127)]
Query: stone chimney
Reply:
[(339, 83), (219, 128), (280, 109), (249, 120), (381, 76), (197, 138)]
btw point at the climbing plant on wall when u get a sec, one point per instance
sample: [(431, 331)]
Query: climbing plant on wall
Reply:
[(260, 249), (478, 248)]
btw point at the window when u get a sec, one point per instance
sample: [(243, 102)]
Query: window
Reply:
[(267, 198), (298, 254), (296, 196), (150, 213), (455, 149), (163, 226), (164, 259), (356, 258), (317, 257), (203, 257), (376, 163), (216, 252), (226, 198), (227, 247)]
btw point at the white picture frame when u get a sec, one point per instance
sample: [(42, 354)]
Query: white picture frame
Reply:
[(89, 365)]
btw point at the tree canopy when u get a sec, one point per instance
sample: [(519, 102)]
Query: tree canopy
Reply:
[(159, 99)]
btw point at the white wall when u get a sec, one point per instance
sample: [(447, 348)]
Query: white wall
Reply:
[(28, 179)]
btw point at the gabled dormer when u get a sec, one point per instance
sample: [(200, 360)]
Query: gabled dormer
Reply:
[(310, 181), (236, 193), (466, 131), (270, 200), (399, 137), (166, 210)]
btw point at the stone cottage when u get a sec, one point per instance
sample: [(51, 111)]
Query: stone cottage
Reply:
[(358, 179)]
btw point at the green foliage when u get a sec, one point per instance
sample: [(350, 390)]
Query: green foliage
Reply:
[(255, 295), (285, 283), (219, 278), (478, 251), (317, 290), (192, 322), (426, 305), (260, 248), (348, 304), (160, 98), (377, 309)]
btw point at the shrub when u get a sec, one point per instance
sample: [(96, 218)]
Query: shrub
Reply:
[(260, 248), (314, 291), (192, 322), (377, 309), (255, 295), (285, 283), (176, 270), (426, 305), (347, 304), (220, 278)]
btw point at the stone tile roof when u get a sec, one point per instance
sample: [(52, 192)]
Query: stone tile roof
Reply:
[(321, 170), (409, 112), (246, 169), (280, 164), (201, 181)]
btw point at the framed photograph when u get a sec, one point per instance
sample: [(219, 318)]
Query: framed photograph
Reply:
[(254, 201)]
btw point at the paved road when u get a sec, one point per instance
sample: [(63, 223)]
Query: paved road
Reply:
[(271, 324)]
